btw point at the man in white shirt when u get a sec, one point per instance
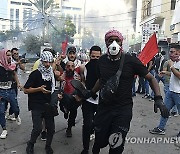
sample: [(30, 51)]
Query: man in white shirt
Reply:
[(172, 97)]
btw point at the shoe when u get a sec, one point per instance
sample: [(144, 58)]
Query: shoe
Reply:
[(138, 92), (92, 137), (175, 114), (85, 152), (11, 117), (4, 134), (68, 132), (157, 130), (49, 150), (151, 99), (18, 120), (142, 92), (146, 96), (43, 135), (30, 148)]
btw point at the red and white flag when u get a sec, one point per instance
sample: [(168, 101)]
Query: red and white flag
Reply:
[(149, 50)]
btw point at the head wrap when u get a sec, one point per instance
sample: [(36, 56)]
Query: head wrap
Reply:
[(3, 61), (113, 33), (47, 73), (47, 56)]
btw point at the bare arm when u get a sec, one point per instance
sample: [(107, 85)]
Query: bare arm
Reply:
[(153, 84), (17, 80), (82, 67), (96, 87), (150, 66), (174, 70), (38, 89)]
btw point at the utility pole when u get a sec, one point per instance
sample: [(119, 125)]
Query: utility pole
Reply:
[(44, 21)]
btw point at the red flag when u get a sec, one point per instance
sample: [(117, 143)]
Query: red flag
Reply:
[(149, 50), (64, 46)]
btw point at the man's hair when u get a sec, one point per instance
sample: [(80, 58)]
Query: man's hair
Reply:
[(163, 52), (71, 49), (175, 45), (14, 49), (95, 48)]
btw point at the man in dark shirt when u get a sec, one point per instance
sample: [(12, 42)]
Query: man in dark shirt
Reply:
[(113, 117), (89, 106), (39, 86)]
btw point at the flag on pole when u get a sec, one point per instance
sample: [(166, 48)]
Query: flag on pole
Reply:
[(149, 51), (64, 46)]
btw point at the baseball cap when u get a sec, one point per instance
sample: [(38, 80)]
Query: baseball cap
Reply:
[(71, 49)]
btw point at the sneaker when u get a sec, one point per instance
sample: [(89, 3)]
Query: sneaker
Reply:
[(151, 99), (30, 148), (11, 117), (85, 152), (157, 130), (49, 150), (68, 132), (18, 120), (144, 96), (4, 134), (43, 135), (175, 114), (92, 137)]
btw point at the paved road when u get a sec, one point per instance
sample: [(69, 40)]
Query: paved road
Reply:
[(143, 120)]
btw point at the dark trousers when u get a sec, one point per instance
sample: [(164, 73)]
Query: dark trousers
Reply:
[(141, 86), (111, 127), (88, 110), (37, 118), (71, 105), (6, 104)]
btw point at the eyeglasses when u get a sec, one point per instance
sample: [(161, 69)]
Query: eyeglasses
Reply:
[(15, 53)]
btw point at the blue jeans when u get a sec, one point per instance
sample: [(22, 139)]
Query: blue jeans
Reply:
[(171, 99), (10, 96)]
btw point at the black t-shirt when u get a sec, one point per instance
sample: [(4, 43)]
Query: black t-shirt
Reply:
[(37, 100), (6, 75), (132, 66), (91, 76)]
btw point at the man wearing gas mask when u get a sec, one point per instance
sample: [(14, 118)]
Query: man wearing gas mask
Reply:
[(114, 114)]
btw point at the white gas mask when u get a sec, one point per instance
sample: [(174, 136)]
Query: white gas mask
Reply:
[(114, 48)]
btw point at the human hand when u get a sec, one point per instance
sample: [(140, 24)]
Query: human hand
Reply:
[(44, 90), (159, 104)]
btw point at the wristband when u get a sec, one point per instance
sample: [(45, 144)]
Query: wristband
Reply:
[(158, 97)]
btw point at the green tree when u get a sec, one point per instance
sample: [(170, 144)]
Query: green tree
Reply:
[(33, 43), (42, 5), (61, 34)]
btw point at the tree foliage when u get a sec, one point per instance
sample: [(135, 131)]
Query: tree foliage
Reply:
[(33, 43), (42, 5), (59, 35)]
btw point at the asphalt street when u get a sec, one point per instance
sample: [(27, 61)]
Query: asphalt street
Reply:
[(143, 119)]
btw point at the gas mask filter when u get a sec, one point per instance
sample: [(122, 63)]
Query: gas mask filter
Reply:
[(114, 48)]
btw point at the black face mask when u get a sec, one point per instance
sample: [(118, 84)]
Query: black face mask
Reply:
[(70, 73), (93, 60)]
